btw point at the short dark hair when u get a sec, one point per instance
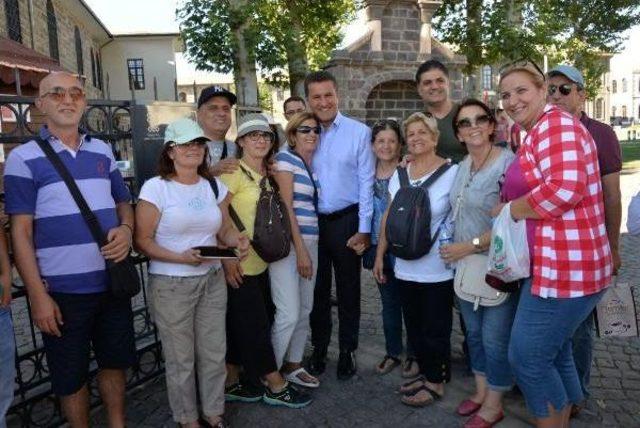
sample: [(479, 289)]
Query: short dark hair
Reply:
[(291, 99), (430, 65), (473, 102), (317, 77), (386, 124)]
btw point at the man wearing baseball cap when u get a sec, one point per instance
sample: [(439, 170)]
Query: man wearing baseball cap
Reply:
[(214, 116), (566, 90)]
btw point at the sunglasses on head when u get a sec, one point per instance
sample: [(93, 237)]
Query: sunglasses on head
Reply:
[(468, 122), (306, 129), (58, 93), (520, 63), (564, 89)]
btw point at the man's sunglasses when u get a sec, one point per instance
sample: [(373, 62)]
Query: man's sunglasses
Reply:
[(306, 129), (564, 89), (467, 122), (521, 63), (58, 93)]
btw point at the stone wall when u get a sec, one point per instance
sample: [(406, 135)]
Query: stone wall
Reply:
[(393, 99), (66, 24)]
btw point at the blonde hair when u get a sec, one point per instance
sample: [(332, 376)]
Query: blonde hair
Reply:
[(537, 78), (297, 120), (428, 120)]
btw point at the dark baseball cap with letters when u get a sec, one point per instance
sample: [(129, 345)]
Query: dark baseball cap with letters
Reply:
[(216, 91)]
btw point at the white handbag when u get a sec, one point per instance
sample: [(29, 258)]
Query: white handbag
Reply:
[(468, 283)]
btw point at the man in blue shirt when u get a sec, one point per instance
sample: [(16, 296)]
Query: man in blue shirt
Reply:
[(60, 264), (345, 166)]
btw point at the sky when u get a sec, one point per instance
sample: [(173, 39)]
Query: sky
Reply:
[(138, 19)]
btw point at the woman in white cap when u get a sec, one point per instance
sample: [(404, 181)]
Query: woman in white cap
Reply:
[(178, 210), (250, 308)]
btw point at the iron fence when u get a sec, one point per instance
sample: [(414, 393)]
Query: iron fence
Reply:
[(34, 404)]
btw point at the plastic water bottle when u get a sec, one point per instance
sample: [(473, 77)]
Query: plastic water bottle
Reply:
[(446, 238)]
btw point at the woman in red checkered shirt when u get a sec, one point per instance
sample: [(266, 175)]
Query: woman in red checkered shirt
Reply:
[(554, 184)]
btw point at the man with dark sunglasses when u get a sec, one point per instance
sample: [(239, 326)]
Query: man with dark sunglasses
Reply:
[(566, 90)]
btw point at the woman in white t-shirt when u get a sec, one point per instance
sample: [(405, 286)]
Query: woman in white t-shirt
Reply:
[(178, 211), (426, 283)]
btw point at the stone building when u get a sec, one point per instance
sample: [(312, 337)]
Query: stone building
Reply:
[(376, 73)]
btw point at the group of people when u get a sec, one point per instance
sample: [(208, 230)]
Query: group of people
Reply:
[(235, 329)]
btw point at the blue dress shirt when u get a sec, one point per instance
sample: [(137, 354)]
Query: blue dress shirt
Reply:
[(345, 166)]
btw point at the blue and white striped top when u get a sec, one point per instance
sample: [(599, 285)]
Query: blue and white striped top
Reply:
[(68, 257), (303, 205)]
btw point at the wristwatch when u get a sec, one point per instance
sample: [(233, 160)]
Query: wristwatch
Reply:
[(476, 243)]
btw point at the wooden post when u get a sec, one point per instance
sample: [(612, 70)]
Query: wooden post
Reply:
[(16, 74)]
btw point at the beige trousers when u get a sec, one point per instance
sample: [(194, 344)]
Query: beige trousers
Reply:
[(189, 313)]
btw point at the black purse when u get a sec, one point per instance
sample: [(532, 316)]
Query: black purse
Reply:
[(124, 281)]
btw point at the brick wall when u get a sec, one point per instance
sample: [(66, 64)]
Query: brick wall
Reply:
[(396, 99), (66, 39)]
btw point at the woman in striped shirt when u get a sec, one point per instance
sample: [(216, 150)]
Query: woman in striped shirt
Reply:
[(293, 278)]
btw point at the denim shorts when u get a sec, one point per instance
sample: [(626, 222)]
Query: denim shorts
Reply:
[(99, 320), (540, 349)]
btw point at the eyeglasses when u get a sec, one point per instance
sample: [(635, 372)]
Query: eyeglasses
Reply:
[(467, 122), (564, 89), (523, 63), (258, 135), (306, 129), (58, 93), (190, 145)]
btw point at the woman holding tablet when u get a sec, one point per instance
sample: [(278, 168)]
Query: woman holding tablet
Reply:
[(178, 211)]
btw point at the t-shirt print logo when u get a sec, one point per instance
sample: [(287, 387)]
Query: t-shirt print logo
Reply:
[(196, 204), (101, 168)]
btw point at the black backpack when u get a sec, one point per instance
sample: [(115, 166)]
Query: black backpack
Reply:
[(408, 227), (272, 228)]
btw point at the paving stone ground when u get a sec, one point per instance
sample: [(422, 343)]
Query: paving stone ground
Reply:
[(370, 400)]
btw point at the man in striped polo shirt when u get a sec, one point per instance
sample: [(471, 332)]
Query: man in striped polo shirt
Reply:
[(59, 262)]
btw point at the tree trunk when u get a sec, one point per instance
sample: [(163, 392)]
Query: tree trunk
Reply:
[(297, 60), (244, 58)]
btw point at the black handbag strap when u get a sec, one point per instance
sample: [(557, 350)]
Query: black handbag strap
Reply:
[(403, 175), (315, 188), (224, 150), (87, 214), (232, 213)]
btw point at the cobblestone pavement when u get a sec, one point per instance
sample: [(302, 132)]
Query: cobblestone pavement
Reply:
[(371, 400)]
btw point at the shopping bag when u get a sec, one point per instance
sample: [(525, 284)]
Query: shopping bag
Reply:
[(616, 312), (509, 251)]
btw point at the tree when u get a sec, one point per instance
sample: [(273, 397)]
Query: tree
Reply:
[(279, 35), (573, 31)]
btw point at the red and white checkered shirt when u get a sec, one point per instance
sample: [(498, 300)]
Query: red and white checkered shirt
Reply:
[(571, 253)]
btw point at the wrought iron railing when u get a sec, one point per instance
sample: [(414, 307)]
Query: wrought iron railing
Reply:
[(34, 404)]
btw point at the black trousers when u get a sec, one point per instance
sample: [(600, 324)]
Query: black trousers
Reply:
[(334, 256), (428, 316), (249, 318)]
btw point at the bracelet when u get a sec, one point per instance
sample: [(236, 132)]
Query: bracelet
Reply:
[(127, 226)]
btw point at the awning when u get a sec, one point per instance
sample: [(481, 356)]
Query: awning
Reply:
[(32, 66)]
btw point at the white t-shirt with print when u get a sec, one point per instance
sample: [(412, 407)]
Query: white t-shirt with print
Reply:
[(189, 217), (430, 267)]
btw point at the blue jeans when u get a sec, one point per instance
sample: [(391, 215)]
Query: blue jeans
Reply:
[(7, 364), (583, 351), (488, 333), (392, 316), (540, 349)]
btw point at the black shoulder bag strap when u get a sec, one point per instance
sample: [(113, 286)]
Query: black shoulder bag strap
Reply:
[(436, 174), (214, 187), (224, 150), (315, 188), (87, 214), (403, 176)]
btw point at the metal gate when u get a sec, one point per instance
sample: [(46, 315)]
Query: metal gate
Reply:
[(34, 404)]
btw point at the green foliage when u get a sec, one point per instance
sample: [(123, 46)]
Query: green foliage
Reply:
[(278, 32), (265, 101), (581, 32)]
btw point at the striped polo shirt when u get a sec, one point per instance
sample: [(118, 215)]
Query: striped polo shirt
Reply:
[(68, 257), (303, 206)]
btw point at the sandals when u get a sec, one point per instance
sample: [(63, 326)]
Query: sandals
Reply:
[(295, 377), (410, 398), (410, 368), (412, 385), (387, 364)]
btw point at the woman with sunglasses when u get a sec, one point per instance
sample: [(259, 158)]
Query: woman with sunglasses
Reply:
[(554, 184), (426, 284), (475, 192), (177, 212), (249, 306), (293, 278)]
